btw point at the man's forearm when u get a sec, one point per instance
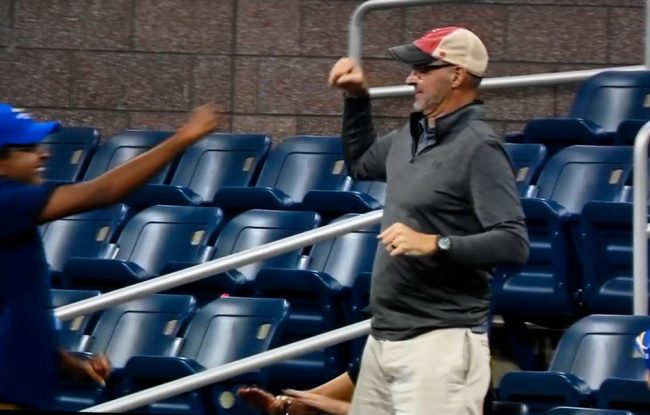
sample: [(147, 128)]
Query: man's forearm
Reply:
[(358, 130), (505, 245)]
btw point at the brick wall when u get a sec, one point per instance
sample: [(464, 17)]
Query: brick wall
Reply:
[(145, 63)]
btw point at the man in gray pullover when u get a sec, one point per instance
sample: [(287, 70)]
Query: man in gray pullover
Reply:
[(452, 213)]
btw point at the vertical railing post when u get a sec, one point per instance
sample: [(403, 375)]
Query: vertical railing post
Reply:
[(640, 221)]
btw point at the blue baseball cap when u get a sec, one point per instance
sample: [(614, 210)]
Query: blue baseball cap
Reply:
[(18, 128)]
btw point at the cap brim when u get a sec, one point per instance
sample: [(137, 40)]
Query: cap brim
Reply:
[(411, 55), (37, 132)]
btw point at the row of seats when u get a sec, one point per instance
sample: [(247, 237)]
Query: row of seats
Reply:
[(159, 338), (608, 109), (594, 365), (164, 337), (569, 213), (578, 214), (580, 234), (238, 171), (327, 284)]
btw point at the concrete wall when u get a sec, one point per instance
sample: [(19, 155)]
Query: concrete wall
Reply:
[(144, 63)]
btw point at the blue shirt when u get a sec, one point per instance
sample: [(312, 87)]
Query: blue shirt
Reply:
[(28, 342)]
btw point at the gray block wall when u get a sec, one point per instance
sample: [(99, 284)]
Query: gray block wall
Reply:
[(144, 63)]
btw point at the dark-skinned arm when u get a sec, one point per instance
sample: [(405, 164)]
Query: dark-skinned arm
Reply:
[(115, 184)]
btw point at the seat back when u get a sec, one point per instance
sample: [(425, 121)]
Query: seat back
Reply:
[(162, 234), (610, 97), (71, 333), (70, 149), (345, 256), (578, 174), (606, 254), (219, 160), (304, 163), (146, 326), (125, 146), (527, 160), (598, 347), (373, 188), (86, 235), (257, 227), (232, 328)]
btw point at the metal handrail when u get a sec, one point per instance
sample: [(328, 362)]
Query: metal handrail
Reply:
[(207, 269), (540, 79), (355, 33), (640, 221), (232, 369)]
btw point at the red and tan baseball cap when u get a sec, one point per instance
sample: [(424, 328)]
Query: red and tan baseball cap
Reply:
[(451, 45)]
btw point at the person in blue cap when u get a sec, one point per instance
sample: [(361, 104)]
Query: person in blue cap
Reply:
[(29, 356)]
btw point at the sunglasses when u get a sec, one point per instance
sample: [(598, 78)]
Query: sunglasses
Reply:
[(424, 69)]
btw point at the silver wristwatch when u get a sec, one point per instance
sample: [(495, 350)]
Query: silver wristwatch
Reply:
[(444, 244)]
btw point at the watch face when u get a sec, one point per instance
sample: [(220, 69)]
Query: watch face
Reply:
[(444, 243)]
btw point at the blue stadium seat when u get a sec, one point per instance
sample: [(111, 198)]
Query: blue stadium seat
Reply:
[(596, 348), (85, 235), (146, 326), (218, 160), (360, 297), (125, 146), (363, 196), (567, 410), (247, 230), (627, 131), (601, 104), (320, 300), (70, 149), (625, 394), (610, 97), (222, 331), (72, 333), (605, 252), (527, 160), (606, 256), (151, 239), (299, 164), (373, 188), (545, 289)]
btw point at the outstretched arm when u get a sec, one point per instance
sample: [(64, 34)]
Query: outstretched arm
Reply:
[(115, 184)]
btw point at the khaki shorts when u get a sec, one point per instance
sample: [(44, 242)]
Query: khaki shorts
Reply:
[(445, 371)]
